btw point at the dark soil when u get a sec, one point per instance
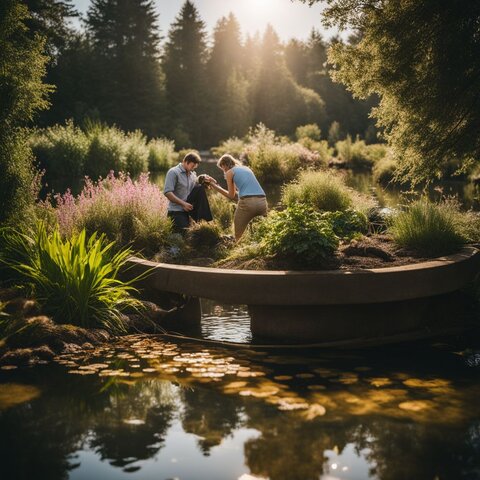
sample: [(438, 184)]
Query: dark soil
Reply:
[(376, 251)]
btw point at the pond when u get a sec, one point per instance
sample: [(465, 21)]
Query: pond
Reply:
[(147, 408)]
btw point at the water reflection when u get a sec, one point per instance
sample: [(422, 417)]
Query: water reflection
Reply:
[(231, 413)]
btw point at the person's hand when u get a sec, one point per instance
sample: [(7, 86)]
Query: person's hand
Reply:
[(188, 207), (210, 179)]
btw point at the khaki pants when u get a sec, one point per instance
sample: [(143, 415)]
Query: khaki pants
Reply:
[(248, 208)]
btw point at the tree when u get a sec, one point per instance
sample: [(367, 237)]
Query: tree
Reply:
[(184, 66), (228, 87), (422, 60), (22, 66), (126, 72), (278, 101), (49, 19)]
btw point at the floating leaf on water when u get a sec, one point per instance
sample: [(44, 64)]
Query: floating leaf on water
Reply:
[(434, 383), (94, 366), (415, 405), (8, 367), (235, 384), (148, 370), (315, 410), (283, 377), (379, 381), (12, 394)]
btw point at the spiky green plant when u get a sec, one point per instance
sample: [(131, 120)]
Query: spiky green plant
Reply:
[(428, 228), (74, 280)]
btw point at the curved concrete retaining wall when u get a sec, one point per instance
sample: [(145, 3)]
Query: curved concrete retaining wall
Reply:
[(332, 287)]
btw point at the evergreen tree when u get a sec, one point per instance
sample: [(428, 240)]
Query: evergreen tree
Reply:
[(126, 72), (296, 57), (278, 101), (22, 94), (49, 18), (228, 89), (185, 77)]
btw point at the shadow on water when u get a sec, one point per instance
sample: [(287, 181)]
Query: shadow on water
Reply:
[(168, 410)]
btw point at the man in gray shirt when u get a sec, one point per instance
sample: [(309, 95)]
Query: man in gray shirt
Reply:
[(186, 197)]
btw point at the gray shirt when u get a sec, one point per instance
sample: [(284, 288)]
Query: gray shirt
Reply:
[(180, 183)]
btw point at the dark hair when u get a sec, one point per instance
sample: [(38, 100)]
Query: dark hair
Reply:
[(227, 161), (192, 157)]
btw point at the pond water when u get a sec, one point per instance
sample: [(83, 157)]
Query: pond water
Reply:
[(147, 408)]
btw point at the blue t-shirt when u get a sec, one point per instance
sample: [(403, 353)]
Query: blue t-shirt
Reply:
[(246, 182)]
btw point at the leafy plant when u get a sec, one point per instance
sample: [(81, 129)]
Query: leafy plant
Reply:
[(74, 280), (348, 223), (161, 154), (300, 234)]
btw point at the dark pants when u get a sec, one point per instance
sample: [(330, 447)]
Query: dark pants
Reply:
[(201, 210)]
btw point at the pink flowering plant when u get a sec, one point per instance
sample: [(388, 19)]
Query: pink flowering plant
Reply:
[(127, 211)]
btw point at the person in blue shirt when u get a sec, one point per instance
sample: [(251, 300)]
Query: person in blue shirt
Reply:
[(187, 198), (244, 186)]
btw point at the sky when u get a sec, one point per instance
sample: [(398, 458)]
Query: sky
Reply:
[(289, 19)]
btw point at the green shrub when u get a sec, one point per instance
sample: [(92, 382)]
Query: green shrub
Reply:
[(61, 150), (298, 234), (358, 155), (222, 210), (384, 170), (428, 228), (106, 151), (348, 223), (310, 131), (234, 146), (75, 281), (161, 154), (201, 235), (136, 153), (320, 190)]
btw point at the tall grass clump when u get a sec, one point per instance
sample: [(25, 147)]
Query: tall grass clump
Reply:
[(323, 191), (127, 211), (74, 280), (161, 154), (384, 171), (61, 150), (234, 146), (428, 228), (222, 211)]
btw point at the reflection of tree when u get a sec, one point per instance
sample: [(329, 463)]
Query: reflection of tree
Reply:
[(134, 424), (410, 450), (209, 415), (38, 437), (290, 447)]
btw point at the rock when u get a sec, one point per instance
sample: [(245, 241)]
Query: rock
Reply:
[(22, 306), (27, 356)]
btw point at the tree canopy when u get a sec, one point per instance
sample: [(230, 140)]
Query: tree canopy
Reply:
[(422, 58)]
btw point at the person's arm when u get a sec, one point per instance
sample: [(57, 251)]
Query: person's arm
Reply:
[(173, 198), (231, 193), (170, 183)]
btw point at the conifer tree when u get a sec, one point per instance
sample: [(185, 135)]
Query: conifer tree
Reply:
[(22, 66), (228, 89), (278, 101), (126, 72), (185, 77)]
